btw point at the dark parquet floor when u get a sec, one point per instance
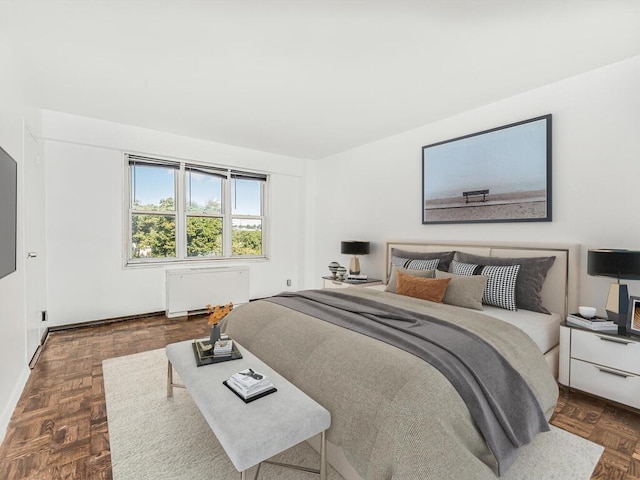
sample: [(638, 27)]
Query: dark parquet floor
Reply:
[(59, 428)]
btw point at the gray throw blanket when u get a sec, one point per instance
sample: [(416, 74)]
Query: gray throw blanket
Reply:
[(499, 400)]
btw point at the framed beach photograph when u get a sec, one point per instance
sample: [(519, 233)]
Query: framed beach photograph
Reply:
[(498, 175), (633, 317)]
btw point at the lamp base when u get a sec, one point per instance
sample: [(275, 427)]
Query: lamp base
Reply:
[(617, 306), (354, 267)]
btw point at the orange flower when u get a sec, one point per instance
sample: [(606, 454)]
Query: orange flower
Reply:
[(218, 312)]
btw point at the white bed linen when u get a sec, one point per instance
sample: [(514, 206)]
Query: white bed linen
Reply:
[(543, 329)]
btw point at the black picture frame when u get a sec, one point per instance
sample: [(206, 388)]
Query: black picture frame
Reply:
[(497, 175), (633, 316)]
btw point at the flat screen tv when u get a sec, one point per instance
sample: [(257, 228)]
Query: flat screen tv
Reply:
[(8, 213), (498, 175)]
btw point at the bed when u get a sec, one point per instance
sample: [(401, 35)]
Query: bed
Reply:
[(559, 292), (395, 416)]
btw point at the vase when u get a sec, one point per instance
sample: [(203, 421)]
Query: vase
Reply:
[(214, 335)]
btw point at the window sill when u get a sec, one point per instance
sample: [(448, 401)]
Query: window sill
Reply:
[(196, 262)]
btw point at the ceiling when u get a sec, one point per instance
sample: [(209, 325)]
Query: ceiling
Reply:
[(303, 78)]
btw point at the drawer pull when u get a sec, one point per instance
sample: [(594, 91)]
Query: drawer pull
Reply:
[(614, 340), (611, 372)]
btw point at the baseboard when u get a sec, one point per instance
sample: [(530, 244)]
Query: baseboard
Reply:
[(106, 321), (5, 418), (45, 334)]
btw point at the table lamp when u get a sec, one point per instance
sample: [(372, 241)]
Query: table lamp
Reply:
[(621, 265), (354, 248)]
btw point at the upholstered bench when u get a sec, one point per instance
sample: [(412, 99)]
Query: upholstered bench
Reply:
[(250, 433)]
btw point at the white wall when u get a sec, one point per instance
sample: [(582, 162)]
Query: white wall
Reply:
[(14, 368), (85, 192), (374, 192)]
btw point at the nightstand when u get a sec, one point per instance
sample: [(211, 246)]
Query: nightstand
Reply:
[(330, 282), (603, 364)]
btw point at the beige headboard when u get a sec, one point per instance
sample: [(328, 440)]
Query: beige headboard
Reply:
[(560, 289)]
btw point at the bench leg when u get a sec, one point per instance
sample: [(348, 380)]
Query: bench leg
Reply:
[(170, 384), (322, 471), (323, 455), (243, 474)]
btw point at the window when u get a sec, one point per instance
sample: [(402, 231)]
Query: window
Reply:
[(204, 217), (246, 214), (181, 211), (153, 210)]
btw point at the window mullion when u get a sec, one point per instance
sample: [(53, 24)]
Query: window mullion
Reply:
[(181, 219), (263, 215), (226, 221)]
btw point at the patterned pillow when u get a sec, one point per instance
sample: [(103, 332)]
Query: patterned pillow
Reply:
[(444, 257), (531, 277), (415, 263), (501, 284)]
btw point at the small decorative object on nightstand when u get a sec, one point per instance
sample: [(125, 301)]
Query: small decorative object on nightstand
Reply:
[(341, 273), (587, 312), (333, 268), (621, 265), (633, 318), (354, 248)]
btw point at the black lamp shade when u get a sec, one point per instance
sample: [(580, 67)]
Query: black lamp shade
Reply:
[(354, 248), (622, 264)]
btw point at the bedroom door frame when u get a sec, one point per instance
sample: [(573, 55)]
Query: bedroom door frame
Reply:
[(35, 295)]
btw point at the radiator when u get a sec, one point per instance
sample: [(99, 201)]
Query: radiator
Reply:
[(189, 290)]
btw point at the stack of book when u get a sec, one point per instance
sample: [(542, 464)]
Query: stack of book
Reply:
[(223, 347), (220, 348), (222, 351), (594, 323), (250, 385), (357, 278)]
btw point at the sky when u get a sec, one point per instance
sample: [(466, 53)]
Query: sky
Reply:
[(154, 183), (506, 160)]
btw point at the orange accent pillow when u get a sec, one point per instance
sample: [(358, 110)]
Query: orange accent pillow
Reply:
[(432, 289)]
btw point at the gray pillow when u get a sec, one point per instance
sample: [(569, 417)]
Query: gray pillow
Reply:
[(464, 291), (393, 279), (533, 271), (444, 257)]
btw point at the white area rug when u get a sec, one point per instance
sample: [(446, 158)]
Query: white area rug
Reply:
[(155, 437)]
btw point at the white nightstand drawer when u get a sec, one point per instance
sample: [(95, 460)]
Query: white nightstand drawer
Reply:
[(606, 382), (334, 284), (616, 352)]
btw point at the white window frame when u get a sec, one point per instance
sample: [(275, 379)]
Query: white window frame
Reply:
[(181, 213), (222, 173), (261, 217)]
